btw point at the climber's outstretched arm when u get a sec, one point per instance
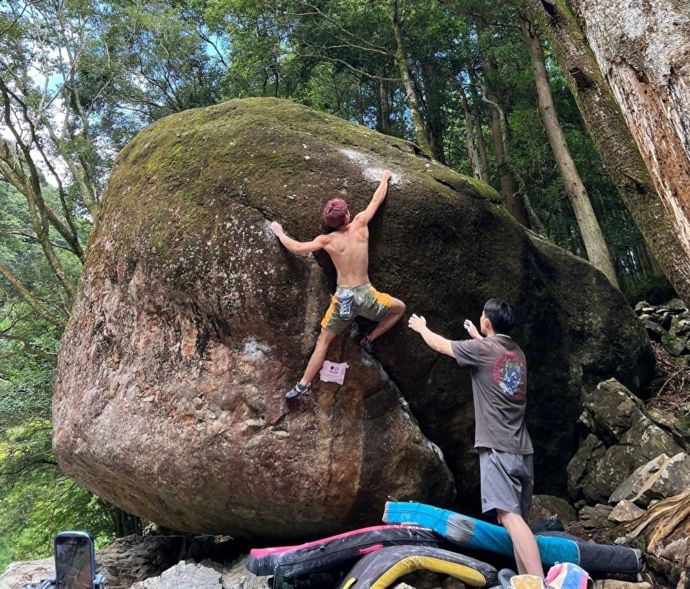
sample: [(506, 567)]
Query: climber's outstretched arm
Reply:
[(298, 247), (367, 214)]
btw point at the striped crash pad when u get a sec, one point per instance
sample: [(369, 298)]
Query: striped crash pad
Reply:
[(554, 547)]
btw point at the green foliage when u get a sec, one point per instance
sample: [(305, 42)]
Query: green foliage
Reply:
[(21, 252), (147, 60), (38, 501), (532, 161)]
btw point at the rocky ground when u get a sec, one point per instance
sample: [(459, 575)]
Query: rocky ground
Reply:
[(629, 483), (631, 475)]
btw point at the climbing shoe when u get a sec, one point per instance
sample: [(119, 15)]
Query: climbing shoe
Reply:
[(367, 346), (299, 390)]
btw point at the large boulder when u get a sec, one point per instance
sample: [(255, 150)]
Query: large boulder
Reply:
[(191, 321)]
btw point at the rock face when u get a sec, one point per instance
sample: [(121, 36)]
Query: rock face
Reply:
[(621, 439), (135, 558), (23, 573), (625, 511), (185, 575), (191, 322), (544, 506), (668, 324), (207, 575), (660, 478)]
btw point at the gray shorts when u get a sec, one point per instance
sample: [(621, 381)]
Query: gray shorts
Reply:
[(507, 481)]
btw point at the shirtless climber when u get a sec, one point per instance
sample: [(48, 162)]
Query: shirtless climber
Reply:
[(348, 246)]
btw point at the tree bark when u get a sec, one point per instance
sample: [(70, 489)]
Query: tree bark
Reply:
[(613, 139), (590, 230), (509, 186), (360, 104), (413, 99)]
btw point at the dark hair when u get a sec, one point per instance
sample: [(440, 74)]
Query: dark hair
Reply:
[(501, 314)]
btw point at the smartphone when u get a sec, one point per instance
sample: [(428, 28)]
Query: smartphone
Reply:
[(75, 560)]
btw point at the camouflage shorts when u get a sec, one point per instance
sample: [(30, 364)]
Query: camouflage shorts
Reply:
[(369, 303)]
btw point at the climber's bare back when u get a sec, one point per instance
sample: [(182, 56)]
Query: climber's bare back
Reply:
[(349, 249)]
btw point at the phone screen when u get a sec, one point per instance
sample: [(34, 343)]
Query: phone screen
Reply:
[(73, 564)]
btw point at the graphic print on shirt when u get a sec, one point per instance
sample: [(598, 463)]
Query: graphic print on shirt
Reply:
[(509, 374)]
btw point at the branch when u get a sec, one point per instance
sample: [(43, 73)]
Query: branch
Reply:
[(373, 47), (208, 40), (17, 18), (84, 181), (11, 326), (346, 64), (499, 110), (30, 349), (40, 462), (460, 11), (35, 192), (32, 238), (353, 46), (25, 294)]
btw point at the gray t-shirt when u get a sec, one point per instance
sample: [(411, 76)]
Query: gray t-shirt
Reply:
[(499, 386)]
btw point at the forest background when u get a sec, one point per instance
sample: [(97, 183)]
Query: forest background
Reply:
[(79, 79)]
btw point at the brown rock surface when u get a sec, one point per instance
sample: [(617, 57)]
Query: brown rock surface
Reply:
[(192, 321), (134, 558)]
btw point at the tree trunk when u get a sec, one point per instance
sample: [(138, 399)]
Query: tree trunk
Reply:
[(124, 524), (613, 139), (592, 236), (472, 148), (384, 108), (535, 219), (479, 135), (413, 99), (509, 187), (432, 109)]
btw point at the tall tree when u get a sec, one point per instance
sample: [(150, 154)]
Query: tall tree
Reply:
[(592, 235), (499, 126), (613, 139), (475, 146), (413, 95)]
